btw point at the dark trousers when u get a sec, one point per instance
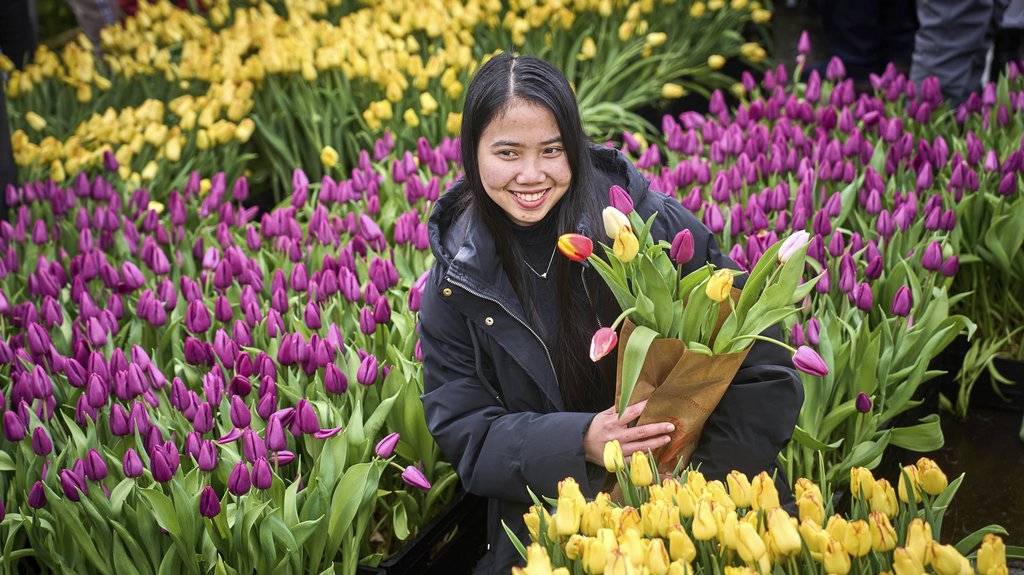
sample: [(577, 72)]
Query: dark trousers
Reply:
[(8, 169), (17, 31)]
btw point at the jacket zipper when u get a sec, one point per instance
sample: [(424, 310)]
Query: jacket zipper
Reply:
[(509, 312), (583, 280)]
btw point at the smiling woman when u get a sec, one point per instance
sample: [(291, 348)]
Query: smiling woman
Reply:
[(511, 394)]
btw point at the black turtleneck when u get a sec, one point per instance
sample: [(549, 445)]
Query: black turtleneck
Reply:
[(538, 246)]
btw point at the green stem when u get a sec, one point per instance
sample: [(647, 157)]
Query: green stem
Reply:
[(762, 338), (622, 316)]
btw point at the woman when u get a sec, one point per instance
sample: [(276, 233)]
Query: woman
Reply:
[(511, 395)]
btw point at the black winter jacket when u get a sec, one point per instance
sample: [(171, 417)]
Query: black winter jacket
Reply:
[(491, 398)]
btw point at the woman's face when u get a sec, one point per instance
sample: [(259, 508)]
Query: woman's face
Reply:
[(522, 164)]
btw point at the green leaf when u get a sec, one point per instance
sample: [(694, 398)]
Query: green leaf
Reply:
[(400, 521), (813, 443), (163, 510), (968, 544), (350, 495), (515, 540), (6, 462), (633, 360), (927, 436)]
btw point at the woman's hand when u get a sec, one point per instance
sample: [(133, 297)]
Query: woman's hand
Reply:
[(607, 425)]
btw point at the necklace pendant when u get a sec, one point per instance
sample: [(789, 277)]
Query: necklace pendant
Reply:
[(544, 276)]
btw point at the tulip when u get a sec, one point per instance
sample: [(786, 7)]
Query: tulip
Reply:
[(74, 485), (41, 443), (932, 480), (883, 535), (386, 447), (932, 258), (808, 361), (902, 302), (327, 433), (197, 318), (719, 285), (603, 342), (131, 465), (626, 245), (836, 560), (640, 473), (946, 560), (335, 380), (262, 478), (95, 466), (739, 488), (161, 465), (863, 403), (619, 199), (240, 415), (207, 460), (791, 245), (613, 459), (950, 266), (992, 555), (575, 246), (306, 417), (14, 429), (784, 532), (273, 435), (368, 371), (209, 503), (239, 481), (682, 247), (414, 477), (37, 495)]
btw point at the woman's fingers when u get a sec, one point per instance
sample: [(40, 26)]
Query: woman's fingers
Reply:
[(646, 445), (642, 432)]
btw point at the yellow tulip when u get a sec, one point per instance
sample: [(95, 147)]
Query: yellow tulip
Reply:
[(588, 50), (752, 549), (595, 556), (991, 555), (156, 207), (836, 527), (671, 91), (537, 561), (35, 121), (244, 130), (836, 560), (680, 568), (761, 16), (57, 172), (763, 492), (594, 515), (946, 560), (680, 546), (719, 287), (862, 483), (803, 485), (883, 498), (625, 519), (626, 245), (858, 538), (428, 105), (686, 500), (613, 460), (704, 525), (909, 476), (696, 482), (883, 535), (931, 478), (905, 563), (574, 547), (811, 507), (697, 10), (715, 5), (172, 151), (454, 123), (618, 563), (814, 537), (784, 532), (656, 39), (657, 558), (919, 534), (150, 170), (532, 520), (655, 517), (410, 117), (716, 62), (640, 473), (329, 157), (739, 488)]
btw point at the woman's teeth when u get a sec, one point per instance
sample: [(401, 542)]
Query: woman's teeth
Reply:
[(529, 197)]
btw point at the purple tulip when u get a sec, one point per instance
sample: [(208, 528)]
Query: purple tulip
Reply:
[(41, 443), (209, 503), (803, 46), (414, 477), (262, 478), (239, 482), (386, 446), (203, 420), (932, 258), (312, 316), (863, 403), (197, 318), (253, 446), (161, 465), (863, 297), (327, 433), (619, 199), (306, 417), (73, 484), (950, 266), (682, 247), (367, 374), (367, 324), (207, 456), (266, 406), (1008, 185), (273, 435), (902, 302), (95, 466), (808, 361), (131, 464), (240, 415), (335, 380), (37, 496), (14, 428)]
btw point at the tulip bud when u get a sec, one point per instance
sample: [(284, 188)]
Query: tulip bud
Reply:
[(739, 488), (863, 403), (640, 473), (239, 482), (808, 361), (95, 466), (932, 480), (626, 246), (784, 532), (262, 478), (209, 503), (992, 555), (74, 485), (791, 246), (41, 443), (902, 302), (604, 341), (386, 447), (883, 535), (131, 465), (682, 247), (14, 429), (619, 199), (720, 285), (414, 477), (575, 246)]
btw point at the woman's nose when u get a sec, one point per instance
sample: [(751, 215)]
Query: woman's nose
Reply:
[(531, 172)]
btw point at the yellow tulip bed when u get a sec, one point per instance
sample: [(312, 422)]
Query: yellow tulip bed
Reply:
[(687, 524), (264, 86)]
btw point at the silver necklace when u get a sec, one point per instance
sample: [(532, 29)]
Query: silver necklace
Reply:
[(544, 275)]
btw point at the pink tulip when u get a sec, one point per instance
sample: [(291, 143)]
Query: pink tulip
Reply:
[(808, 361), (604, 341)]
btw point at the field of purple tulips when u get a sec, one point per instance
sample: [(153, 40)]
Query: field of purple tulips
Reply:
[(190, 385)]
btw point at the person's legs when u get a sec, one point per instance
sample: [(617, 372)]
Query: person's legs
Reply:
[(17, 33), (852, 28), (898, 25), (951, 44), (8, 169)]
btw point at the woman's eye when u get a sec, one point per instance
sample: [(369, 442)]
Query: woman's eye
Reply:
[(506, 153), (552, 151)]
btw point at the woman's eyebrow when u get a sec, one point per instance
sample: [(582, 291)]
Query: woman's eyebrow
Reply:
[(510, 143)]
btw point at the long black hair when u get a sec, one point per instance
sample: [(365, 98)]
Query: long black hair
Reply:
[(502, 81)]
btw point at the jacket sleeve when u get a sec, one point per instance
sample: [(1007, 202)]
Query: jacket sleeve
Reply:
[(756, 416), (496, 453)]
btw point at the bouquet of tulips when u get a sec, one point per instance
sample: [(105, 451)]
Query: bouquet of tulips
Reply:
[(686, 334), (687, 524)]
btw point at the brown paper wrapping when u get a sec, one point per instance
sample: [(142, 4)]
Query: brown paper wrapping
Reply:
[(683, 388)]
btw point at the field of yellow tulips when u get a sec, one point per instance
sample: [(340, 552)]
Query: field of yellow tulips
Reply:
[(257, 87), (686, 524)]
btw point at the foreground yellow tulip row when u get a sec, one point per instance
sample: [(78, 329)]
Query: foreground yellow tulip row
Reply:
[(691, 525), (304, 74)]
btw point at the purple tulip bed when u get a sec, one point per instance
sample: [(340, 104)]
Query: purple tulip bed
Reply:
[(193, 386)]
